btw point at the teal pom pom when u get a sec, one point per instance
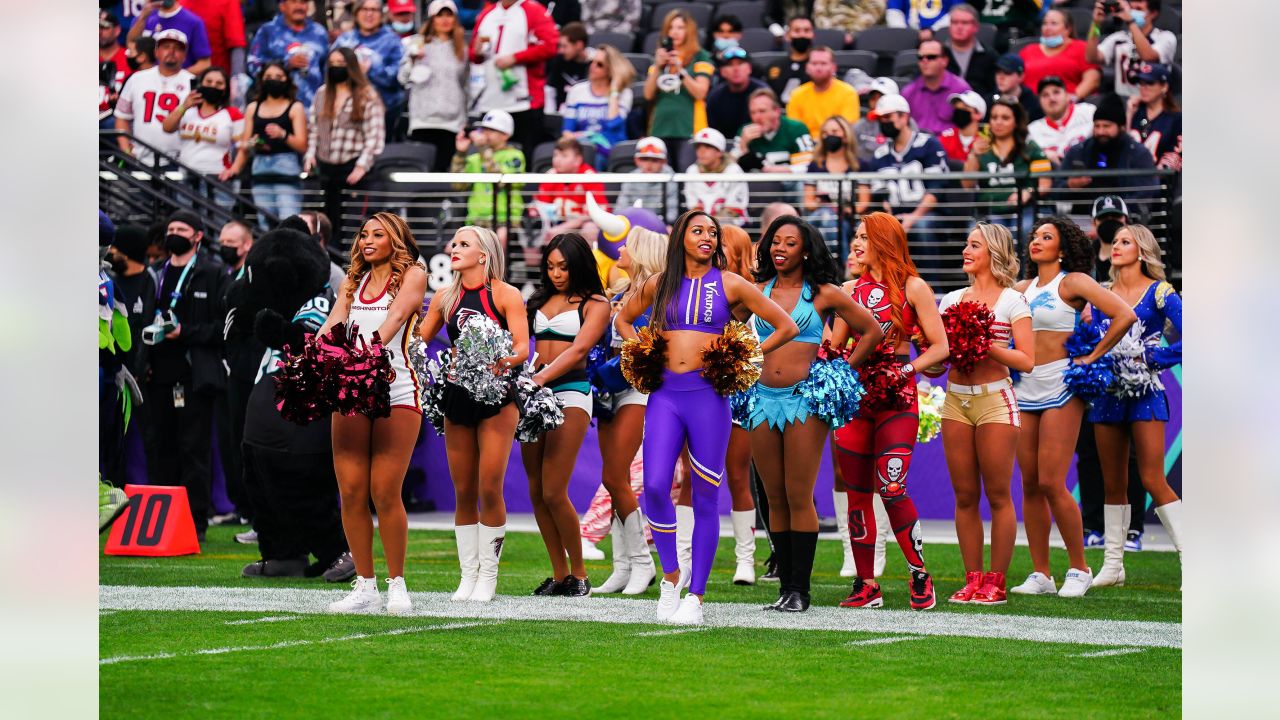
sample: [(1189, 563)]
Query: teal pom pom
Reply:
[(833, 390)]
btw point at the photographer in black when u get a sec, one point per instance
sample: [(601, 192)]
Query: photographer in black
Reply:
[(184, 365)]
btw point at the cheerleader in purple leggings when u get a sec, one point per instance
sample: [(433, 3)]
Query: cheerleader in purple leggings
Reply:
[(692, 302)]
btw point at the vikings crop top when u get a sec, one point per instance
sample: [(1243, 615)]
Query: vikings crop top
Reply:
[(700, 305), (1160, 303), (874, 296), (473, 302), (804, 314), (1048, 310)]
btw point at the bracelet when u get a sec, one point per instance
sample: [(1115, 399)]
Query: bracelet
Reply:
[(1094, 31)]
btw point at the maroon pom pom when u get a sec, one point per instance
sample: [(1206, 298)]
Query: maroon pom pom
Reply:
[(968, 325), (887, 387)]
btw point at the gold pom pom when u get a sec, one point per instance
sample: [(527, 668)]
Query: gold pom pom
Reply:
[(643, 359), (731, 362)]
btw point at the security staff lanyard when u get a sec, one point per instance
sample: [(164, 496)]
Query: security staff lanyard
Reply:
[(177, 290)]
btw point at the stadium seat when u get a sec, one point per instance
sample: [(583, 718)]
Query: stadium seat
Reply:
[(833, 39), (861, 59), (686, 158), (542, 156), (701, 13), (1083, 18), (623, 42), (401, 157), (886, 41), (750, 13), (553, 125), (906, 63), (622, 157), (763, 60), (650, 45), (1015, 46), (757, 40), (640, 62)]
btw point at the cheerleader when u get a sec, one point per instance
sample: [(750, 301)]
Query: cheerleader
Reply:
[(875, 447), (569, 313), (980, 419), (1060, 286), (382, 294), (477, 437), (1137, 277), (692, 303), (794, 267), (619, 435)]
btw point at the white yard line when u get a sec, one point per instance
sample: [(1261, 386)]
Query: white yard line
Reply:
[(885, 640), (1109, 633), (676, 631), (1109, 653), (289, 643), (268, 619)]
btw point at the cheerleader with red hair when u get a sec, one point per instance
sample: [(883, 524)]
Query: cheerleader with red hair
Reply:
[(874, 449)]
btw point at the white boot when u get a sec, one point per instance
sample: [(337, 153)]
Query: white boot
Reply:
[(363, 598), (1114, 526), (468, 537), (848, 568), (744, 546), (684, 538), (883, 530), (491, 539), (1170, 516), (642, 570), (621, 560)]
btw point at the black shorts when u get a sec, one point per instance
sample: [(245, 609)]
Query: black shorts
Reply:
[(461, 409)]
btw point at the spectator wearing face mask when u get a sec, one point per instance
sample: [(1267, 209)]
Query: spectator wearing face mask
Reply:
[(242, 356), (113, 67), (825, 200), (967, 111), (620, 16), (726, 32), (295, 39), (379, 50), (184, 366), (150, 96), (224, 25), (1065, 122), (400, 17), (434, 69), (651, 158), (209, 129), (1060, 53), (824, 95), (867, 130), (727, 104), (1135, 40), (904, 152), (929, 93), (171, 15), (789, 73), (1109, 148), (275, 137), (345, 132), (127, 255), (1009, 74)]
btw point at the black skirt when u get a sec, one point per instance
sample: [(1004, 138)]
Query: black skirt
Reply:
[(461, 409)]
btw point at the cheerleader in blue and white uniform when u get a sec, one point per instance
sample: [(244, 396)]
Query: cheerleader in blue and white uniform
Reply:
[(1137, 276)]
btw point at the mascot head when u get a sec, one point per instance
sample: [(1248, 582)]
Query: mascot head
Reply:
[(615, 226)]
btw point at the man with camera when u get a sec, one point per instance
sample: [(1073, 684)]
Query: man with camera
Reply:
[(1131, 39), (184, 365)]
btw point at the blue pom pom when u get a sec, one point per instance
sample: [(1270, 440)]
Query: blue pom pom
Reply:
[(833, 391), (1085, 338), (742, 404), (1089, 381)]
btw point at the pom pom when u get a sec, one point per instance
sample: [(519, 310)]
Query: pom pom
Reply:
[(731, 362), (300, 383), (337, 372), (930, 399), (1087, 380), (540, 411), (481, 344), (432, 371), (644, 358), (742, 404), (833, 391), (1134, 376), (827, 352), (886, 387), (968, 325)]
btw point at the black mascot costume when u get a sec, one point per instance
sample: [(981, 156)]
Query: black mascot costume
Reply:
[(288, 468)]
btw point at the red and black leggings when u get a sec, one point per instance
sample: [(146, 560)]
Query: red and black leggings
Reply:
[(874, 451)]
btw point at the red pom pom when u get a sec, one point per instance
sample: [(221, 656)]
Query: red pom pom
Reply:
[(337, 372), (887, 387), (968, 325)]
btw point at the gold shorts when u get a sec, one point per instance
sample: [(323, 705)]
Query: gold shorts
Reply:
[(981, 404)]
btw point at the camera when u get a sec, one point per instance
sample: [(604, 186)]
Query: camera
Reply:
[(668, 44), (1110, 6), (154, 333)]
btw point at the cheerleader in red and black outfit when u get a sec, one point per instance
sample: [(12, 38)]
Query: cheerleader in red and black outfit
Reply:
[(874, 449)]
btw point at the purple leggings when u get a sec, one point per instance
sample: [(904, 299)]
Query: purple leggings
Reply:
[(685, 408)]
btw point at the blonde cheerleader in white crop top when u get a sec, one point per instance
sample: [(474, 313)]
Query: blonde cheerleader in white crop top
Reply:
[(383, 293), (1059, 288)]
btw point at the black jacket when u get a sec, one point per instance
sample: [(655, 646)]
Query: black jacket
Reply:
[(982, 70), (201, 316)]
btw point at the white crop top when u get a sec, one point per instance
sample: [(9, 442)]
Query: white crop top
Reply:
[(1048, 310), (1010, 307)]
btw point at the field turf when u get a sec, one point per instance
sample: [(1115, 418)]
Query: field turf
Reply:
[(167, 663)]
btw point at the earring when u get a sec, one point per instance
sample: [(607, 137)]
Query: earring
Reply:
[(483, 259)]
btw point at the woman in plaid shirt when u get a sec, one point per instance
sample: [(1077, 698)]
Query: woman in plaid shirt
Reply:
[(346, 130)]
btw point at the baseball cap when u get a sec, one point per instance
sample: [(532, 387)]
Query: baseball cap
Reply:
[(1048, 81), (499, 120), (734, 53), (171, 34), (1153, 72), (972, 99), (709, 136), (107, 20), (1010, 63), (884, 86), (1109, 205), (651, 147), (400, 6), (891, 104), (437, 5)]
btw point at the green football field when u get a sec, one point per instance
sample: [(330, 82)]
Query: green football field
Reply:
[(187, 636)]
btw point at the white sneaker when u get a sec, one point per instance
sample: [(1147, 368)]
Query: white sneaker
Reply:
[(363, 598), (1036, 584), (669, 597), (1076, 583), (248, 537), (590, 551), (689, 612), (398, 602)]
